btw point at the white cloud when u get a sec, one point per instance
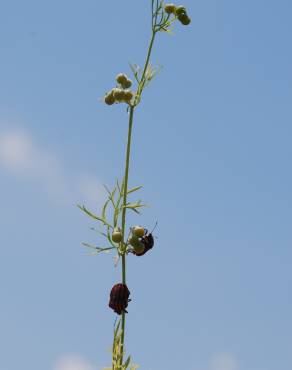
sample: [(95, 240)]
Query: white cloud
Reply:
[(72, 362), (22, 156), (224, 361)]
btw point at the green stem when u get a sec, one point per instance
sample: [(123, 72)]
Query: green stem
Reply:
[(125, 190), (126, 177), (142, 81)]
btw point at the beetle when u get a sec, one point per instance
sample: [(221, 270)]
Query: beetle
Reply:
[(119, 298), (148, 242)]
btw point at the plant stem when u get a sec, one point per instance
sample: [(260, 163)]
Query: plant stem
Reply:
[(142, 81), (125, 187), (126, 177)]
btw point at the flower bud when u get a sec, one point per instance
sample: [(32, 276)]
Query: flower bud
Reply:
[(109, 99), (138, 231), (118, 94), (134, 241), (128, 95), (169, 8), (117, 236), (180, 10), (139, 248), (184, 19), (127, 84), (121, 78)]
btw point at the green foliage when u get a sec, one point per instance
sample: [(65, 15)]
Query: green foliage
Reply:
[(114, 201), (118, 353), (114, 211)]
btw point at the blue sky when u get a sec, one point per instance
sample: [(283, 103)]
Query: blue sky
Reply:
[(212, 147)]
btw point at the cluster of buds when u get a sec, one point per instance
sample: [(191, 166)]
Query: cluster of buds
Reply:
[(121, 93), (180, 12)]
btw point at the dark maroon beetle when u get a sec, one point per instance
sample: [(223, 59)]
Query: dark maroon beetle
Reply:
[(119, 298), (148, 242)]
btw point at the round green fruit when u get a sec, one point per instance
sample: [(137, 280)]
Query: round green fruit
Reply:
[(117, 236), (139, 249), (134, 241), (138, 231)]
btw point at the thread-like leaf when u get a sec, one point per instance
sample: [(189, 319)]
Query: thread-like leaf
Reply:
[(98, 249), (134, 189), (90, 214), (103, 214), (127, 362)]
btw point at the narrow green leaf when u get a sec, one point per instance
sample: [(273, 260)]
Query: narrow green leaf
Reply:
[(127, 362), (135, 210), (134, 205), (134, 189), (135, 72), (90, 214), (103, 214), (98, 249)]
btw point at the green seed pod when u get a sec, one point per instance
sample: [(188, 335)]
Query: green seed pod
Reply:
[(170, 8), (138, 231), (127, 84), (128, 95), (180, 10), (117, 236), (139, 249), (109, 99), (134, 241), (121, 78), (119, 94), (184, 19)]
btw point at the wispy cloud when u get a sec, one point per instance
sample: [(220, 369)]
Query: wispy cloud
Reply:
[(224, 361), (22, 156), (72, 362)]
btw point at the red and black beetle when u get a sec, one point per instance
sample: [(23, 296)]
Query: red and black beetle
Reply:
[(119, 298)]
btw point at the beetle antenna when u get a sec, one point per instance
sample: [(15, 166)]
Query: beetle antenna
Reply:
[(156, 223)]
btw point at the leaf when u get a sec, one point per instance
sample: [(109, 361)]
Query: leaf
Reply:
[(134, 205), (111, 194), (90, 214), (103, 214), (136, 71), (98, 249), (127, 362), (108, 235), (99, 232), (134, 189)]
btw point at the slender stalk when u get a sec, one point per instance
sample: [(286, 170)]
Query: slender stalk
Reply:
[(142, 81), (126, 177)]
